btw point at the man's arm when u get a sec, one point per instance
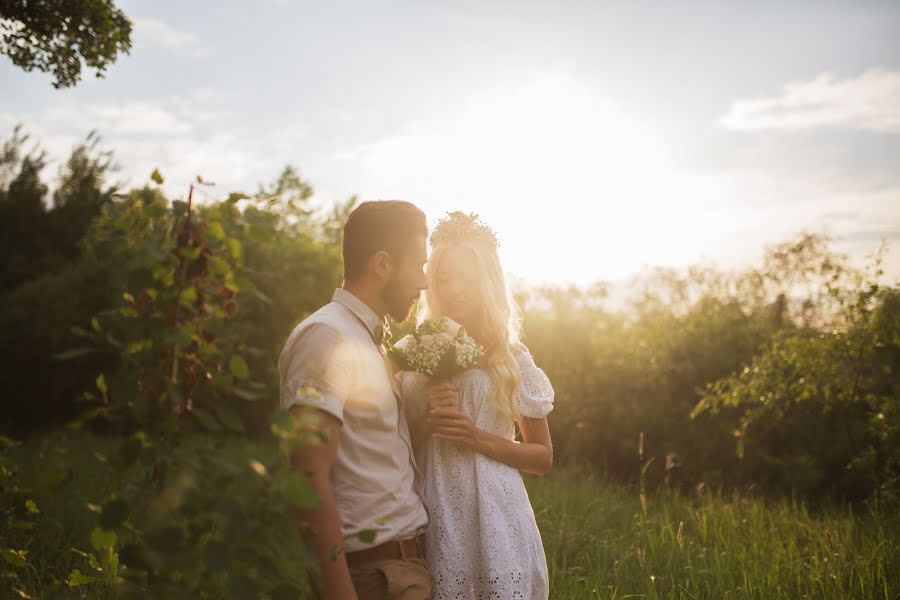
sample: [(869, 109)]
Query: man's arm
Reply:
[(317, 458), (316, 376)]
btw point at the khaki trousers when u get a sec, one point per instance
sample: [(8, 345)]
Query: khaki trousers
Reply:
[(395, 579)]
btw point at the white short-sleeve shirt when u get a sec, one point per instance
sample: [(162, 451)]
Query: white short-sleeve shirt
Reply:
[(332, 361)]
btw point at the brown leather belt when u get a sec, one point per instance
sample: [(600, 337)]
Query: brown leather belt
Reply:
[(391, 550)]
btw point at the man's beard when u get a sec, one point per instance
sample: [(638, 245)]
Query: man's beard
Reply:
[(398, 304)]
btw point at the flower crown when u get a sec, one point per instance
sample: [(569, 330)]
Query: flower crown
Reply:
[(458, 226)]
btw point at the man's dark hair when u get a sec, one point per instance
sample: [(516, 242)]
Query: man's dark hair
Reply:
[(379, 225)]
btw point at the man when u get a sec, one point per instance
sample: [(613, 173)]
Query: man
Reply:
[(333, 366)]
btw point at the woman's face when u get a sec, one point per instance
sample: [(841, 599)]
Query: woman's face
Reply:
[(457, 286)]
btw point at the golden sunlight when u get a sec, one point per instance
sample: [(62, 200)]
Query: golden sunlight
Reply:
[(577, 188)]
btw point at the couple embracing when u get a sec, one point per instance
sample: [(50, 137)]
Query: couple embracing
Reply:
[(419, 482)]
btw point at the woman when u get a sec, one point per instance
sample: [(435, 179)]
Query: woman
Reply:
[(482, 541)]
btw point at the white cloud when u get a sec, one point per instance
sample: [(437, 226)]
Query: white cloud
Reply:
[(154, 31), (181, 135), (130, 118), (869, 101)]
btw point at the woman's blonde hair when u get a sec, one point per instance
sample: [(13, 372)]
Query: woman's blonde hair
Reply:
[(501, 318)]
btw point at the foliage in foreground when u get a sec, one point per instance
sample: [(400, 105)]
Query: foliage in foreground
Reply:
[(179, 519), (599, 540)]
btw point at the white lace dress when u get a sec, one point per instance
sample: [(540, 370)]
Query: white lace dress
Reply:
[(482, 541)]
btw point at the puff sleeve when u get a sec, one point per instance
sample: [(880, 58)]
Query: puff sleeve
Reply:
[(534, 397)]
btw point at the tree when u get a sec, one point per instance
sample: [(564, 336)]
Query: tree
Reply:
[(36, 238), (58, 36), (82, 189), (23, 213)]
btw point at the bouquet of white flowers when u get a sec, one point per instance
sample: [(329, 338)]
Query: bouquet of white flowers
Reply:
[(438, 349)]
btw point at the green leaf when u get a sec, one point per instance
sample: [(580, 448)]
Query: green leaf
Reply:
[(188, 297), (143, 439), (367, 536), (234, 248), (216, 230), (77, 578), (191, 252), (138, 346), (206, 419), (248, 395), (102, 539), (92, 560), (229, 418), (16, 558), (299, 491), (218, 265), (101, 384), (156, 176), (238, 367), (235, 196), (156, 209), (182, 336), (31, 506)]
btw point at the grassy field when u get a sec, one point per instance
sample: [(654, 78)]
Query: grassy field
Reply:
[(600, 541)]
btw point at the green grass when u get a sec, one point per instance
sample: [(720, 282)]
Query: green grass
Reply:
[(599, 542)]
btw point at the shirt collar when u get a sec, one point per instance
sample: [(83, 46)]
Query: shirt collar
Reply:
[(378, 327)]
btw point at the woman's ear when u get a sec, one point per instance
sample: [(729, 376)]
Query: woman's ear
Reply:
[(382, 264)]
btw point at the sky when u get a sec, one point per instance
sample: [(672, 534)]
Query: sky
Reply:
[(596, 138)]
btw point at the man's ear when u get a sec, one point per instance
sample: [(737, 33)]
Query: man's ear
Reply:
[(382, 264)]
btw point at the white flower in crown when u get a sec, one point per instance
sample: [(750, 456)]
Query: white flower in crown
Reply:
[(458, 226)]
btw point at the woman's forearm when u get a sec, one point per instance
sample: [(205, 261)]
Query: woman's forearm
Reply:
[(529, 457)]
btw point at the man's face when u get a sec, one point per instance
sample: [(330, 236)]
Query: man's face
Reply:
[(408, 280)]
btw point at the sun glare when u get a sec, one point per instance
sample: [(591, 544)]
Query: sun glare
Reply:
[(577, 188)]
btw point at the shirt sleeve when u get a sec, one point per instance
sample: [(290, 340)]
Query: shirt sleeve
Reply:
[(534, 397), (317, 370)]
